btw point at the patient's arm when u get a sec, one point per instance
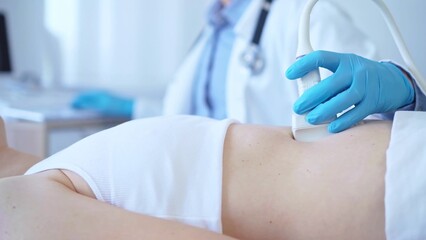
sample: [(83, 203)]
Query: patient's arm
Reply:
[(273, 188), (44, 206), (13, 162)]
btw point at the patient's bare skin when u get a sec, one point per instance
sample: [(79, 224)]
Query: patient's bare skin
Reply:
[(277, 188), (13, 162), (273, 188)]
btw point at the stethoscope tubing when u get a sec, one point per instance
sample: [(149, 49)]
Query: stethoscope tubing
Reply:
[(252, 57), (266, 6)]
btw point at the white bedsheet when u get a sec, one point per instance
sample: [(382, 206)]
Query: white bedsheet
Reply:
[(405, 198)]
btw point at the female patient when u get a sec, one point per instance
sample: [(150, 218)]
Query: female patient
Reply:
[(194, 178)]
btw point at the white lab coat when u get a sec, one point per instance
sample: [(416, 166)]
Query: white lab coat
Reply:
[(268, 98)]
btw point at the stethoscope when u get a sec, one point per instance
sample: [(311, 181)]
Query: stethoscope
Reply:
[(252, 58)]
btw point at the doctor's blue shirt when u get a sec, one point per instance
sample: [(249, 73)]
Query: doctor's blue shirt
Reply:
[(209, 90)]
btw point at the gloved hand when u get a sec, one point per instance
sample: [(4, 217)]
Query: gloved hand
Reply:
[(104, 102), (372, 87)]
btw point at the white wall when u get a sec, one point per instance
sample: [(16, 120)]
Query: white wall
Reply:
[(410, 17), (25, 25), (127, 45), (136, 45)]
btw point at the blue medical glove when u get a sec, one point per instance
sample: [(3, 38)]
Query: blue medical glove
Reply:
[(372, 87), (104, 102)]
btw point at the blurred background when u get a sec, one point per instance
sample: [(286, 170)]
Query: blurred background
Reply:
[(135, 46), (121, 45), (130, 45)]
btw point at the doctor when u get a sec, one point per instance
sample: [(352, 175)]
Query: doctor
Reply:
[(215, 81)]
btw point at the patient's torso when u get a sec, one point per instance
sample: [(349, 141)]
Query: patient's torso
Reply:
[(166, 167), (330, 189), (271, 184)]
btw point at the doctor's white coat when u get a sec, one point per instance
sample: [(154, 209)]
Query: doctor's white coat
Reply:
[(267, 98)]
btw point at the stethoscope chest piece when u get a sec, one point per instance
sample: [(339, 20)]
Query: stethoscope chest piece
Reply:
[(253, 59)]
